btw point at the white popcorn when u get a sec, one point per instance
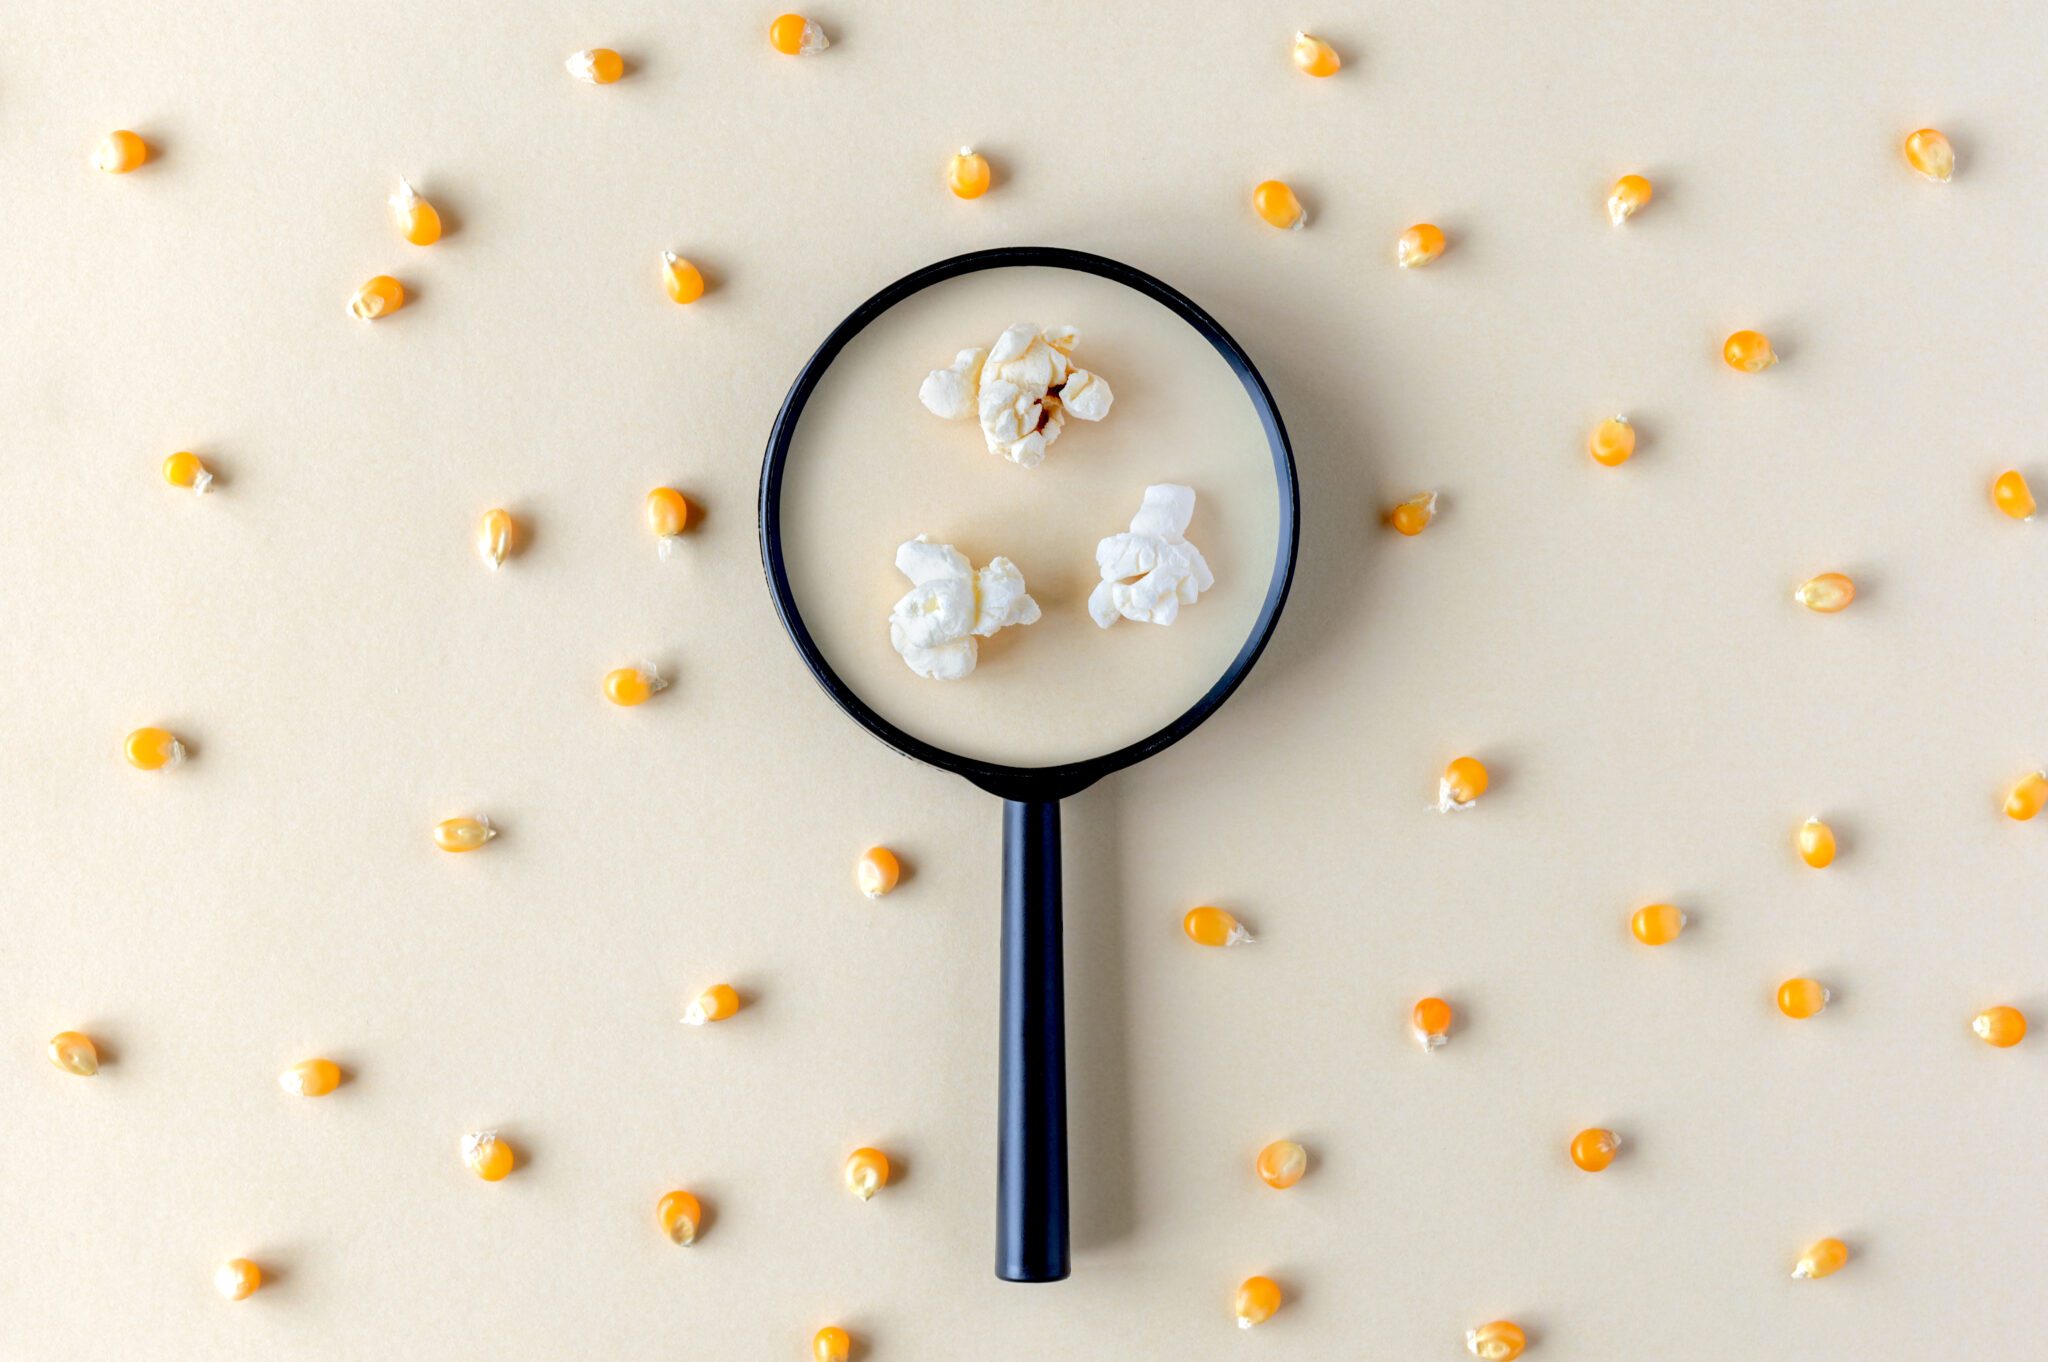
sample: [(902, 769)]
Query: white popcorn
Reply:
[(1149, 573), (1021, 390), (949, 604)]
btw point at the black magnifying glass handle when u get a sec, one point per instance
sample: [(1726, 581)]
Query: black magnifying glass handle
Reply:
[(1031, 1143)]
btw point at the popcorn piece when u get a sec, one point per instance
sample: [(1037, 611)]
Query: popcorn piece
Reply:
[(949, 604), (1149, 573), (1021, 390)]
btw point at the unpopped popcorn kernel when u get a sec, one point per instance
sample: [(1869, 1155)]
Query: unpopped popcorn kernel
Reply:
[(795, 36), (967, 174), (1275, 202), (417, 220), (596, 65)]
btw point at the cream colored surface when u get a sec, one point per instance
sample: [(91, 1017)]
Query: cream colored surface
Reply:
[(1618, 644)]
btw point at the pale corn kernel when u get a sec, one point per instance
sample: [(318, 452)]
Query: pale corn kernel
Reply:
[(2010, 494), (154, 749), (1816, 843), (1207, 926), (683, 280), (795, 36), (1826, 594), (186, 469), (1657, 924), (1281, 1164), (486, 1154), (417, 220), (1500, 1341), (596, 65), (1802, 998), (1431, 1022), (1930, 155), (1274, 201), (1257, 1300), (119, 152), (1822, 1258), (634, 685), (1749, 351), (831, 1344), (463, 834), (714, 1004), (74, 1053), (2000, 1026), (1419, 245), (494, 536), (1612, 442), (1463, 781), (1628, 197), (1414, 515), (1315, 57), (867, 1172), (2028, 797), (380, 297), (237, 1279), (678, 1214), (877, 871), (968, 174), (668, 515), (1594, 1149), (311, 1078)]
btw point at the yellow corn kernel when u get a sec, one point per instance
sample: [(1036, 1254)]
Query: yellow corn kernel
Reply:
[(1412, 516), (1823, 1258), (1257, 1299), (74, 1053), (237, 1279), (1281, 1164), (831, 1344), (1208, 926), (867, 1172), (1464, 780), (596, 65), (1826, 594), (1802, 998), (1816, 843), (1500, 1341), (668, 515), (186, 469), (380, 297), (463, 834), (1658, 924), (714, 1004), (1431, 1021), (1419, 245), (2010, 494), (417, 220), (795, 36), (154, 749), (683, 280), (1594, 1149), (967, 174), (311, 1078), (1612, 442), (494, 537), (678, 1214), (877, 871), (1749, 351), (2026, 798), (634, 685), (2000, 1026), (1930, 155), (487, 1155), (1274, 201), (1315, 57), (1628, 197), (120, 152)]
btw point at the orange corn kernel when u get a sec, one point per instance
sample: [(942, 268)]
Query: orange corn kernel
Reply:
[(1612, 442), (877, 871), (1207, 926), (1419, 245), (679, 1215), (831, 1344), (1464, 780), (1274, 201), (495, 534), (866, 1172), (1823, 1258), (1314, 57), (2026, 798), (1281, 1164), (463, 834), (1802, 998), (1816, 843), (2000, 1026), (795, 36), (1826, 594), (154, 749), (237, 1279), (120, 152), (311, 1078), (186, 469), (1930, 155), (1631, 193), (1500, 1341), (416, 218), (683, 280), (1413, 516), (634, 685), (1594, 1149), (1257, 1300), (74, 1053), (668, 515), (716, 1003), (487, 1155), (1657, 924), (967, 174), (380, 297), (596, 65), (2010, 494), (1749, 351), (1431, 1021)]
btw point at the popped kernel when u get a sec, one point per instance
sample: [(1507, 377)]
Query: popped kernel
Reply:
[(1749, 351), (154, 749), (1413, 516), (714, 1004), (1431, 1021), (1826, 594), (1207, 926), (1816, 843), (683, 280), (1824, 1257), (463, 834), (1464, 780), (831, 1344), (2026, 798), (120, 152), (1612, 442), (1802, 998), (381, 297), (668, 515), (74, 1053), (1257, 1300), (1631, 193), (237, 1279), (795, 36), (596, 65), (678, 1214), (311, 1078), (967, 174), (634, 685), (1419, 245), (1658, 924), (2010, 494), (186, 469), (487, 1155), (494, 536), (1315, 57), (2000, 1026), (866, 1172), (1500, 1341), (1274, 201), (1930, 155), (877, 871), (1594, 1149), (418, 222), (1281, 1164)]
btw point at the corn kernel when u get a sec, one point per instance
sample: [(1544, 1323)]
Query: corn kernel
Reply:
[(683, 280), (487, 1155), (1816, 843), (1628, 197), (120, 152), (668, 515), (2000, 1026), (877, 871), (417, 220), (1281, 1164), (634, 685), (795, 36), (494, 536), (831, 1344), (678, 1214), (380, 297), (2010, 494), (1612, 442), (1275, 202), (1419, 245), (867, 1172), (1315, 57), (154, 749), (1431, 1021), (2026, 798), (1413, 516), (311, 1078), (237, 1279), (1802, 998), (1657, 924), (1826, 594), (1207, 926), (1930, 155), (714, 1004), (596, 65), (186, 469), (1823, 1258), (1594, 1149), (967, 174), (1749, 351), (463, 834), (1464, 780), (1500, 1341), (74, 1053), (1257, 1299)]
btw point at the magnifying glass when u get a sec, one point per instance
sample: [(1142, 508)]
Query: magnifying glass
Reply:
[(856, 465)]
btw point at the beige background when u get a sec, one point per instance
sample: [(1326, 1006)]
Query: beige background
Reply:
[(1619, 646)]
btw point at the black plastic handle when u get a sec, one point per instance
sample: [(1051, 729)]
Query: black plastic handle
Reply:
[(1031, 1144)]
